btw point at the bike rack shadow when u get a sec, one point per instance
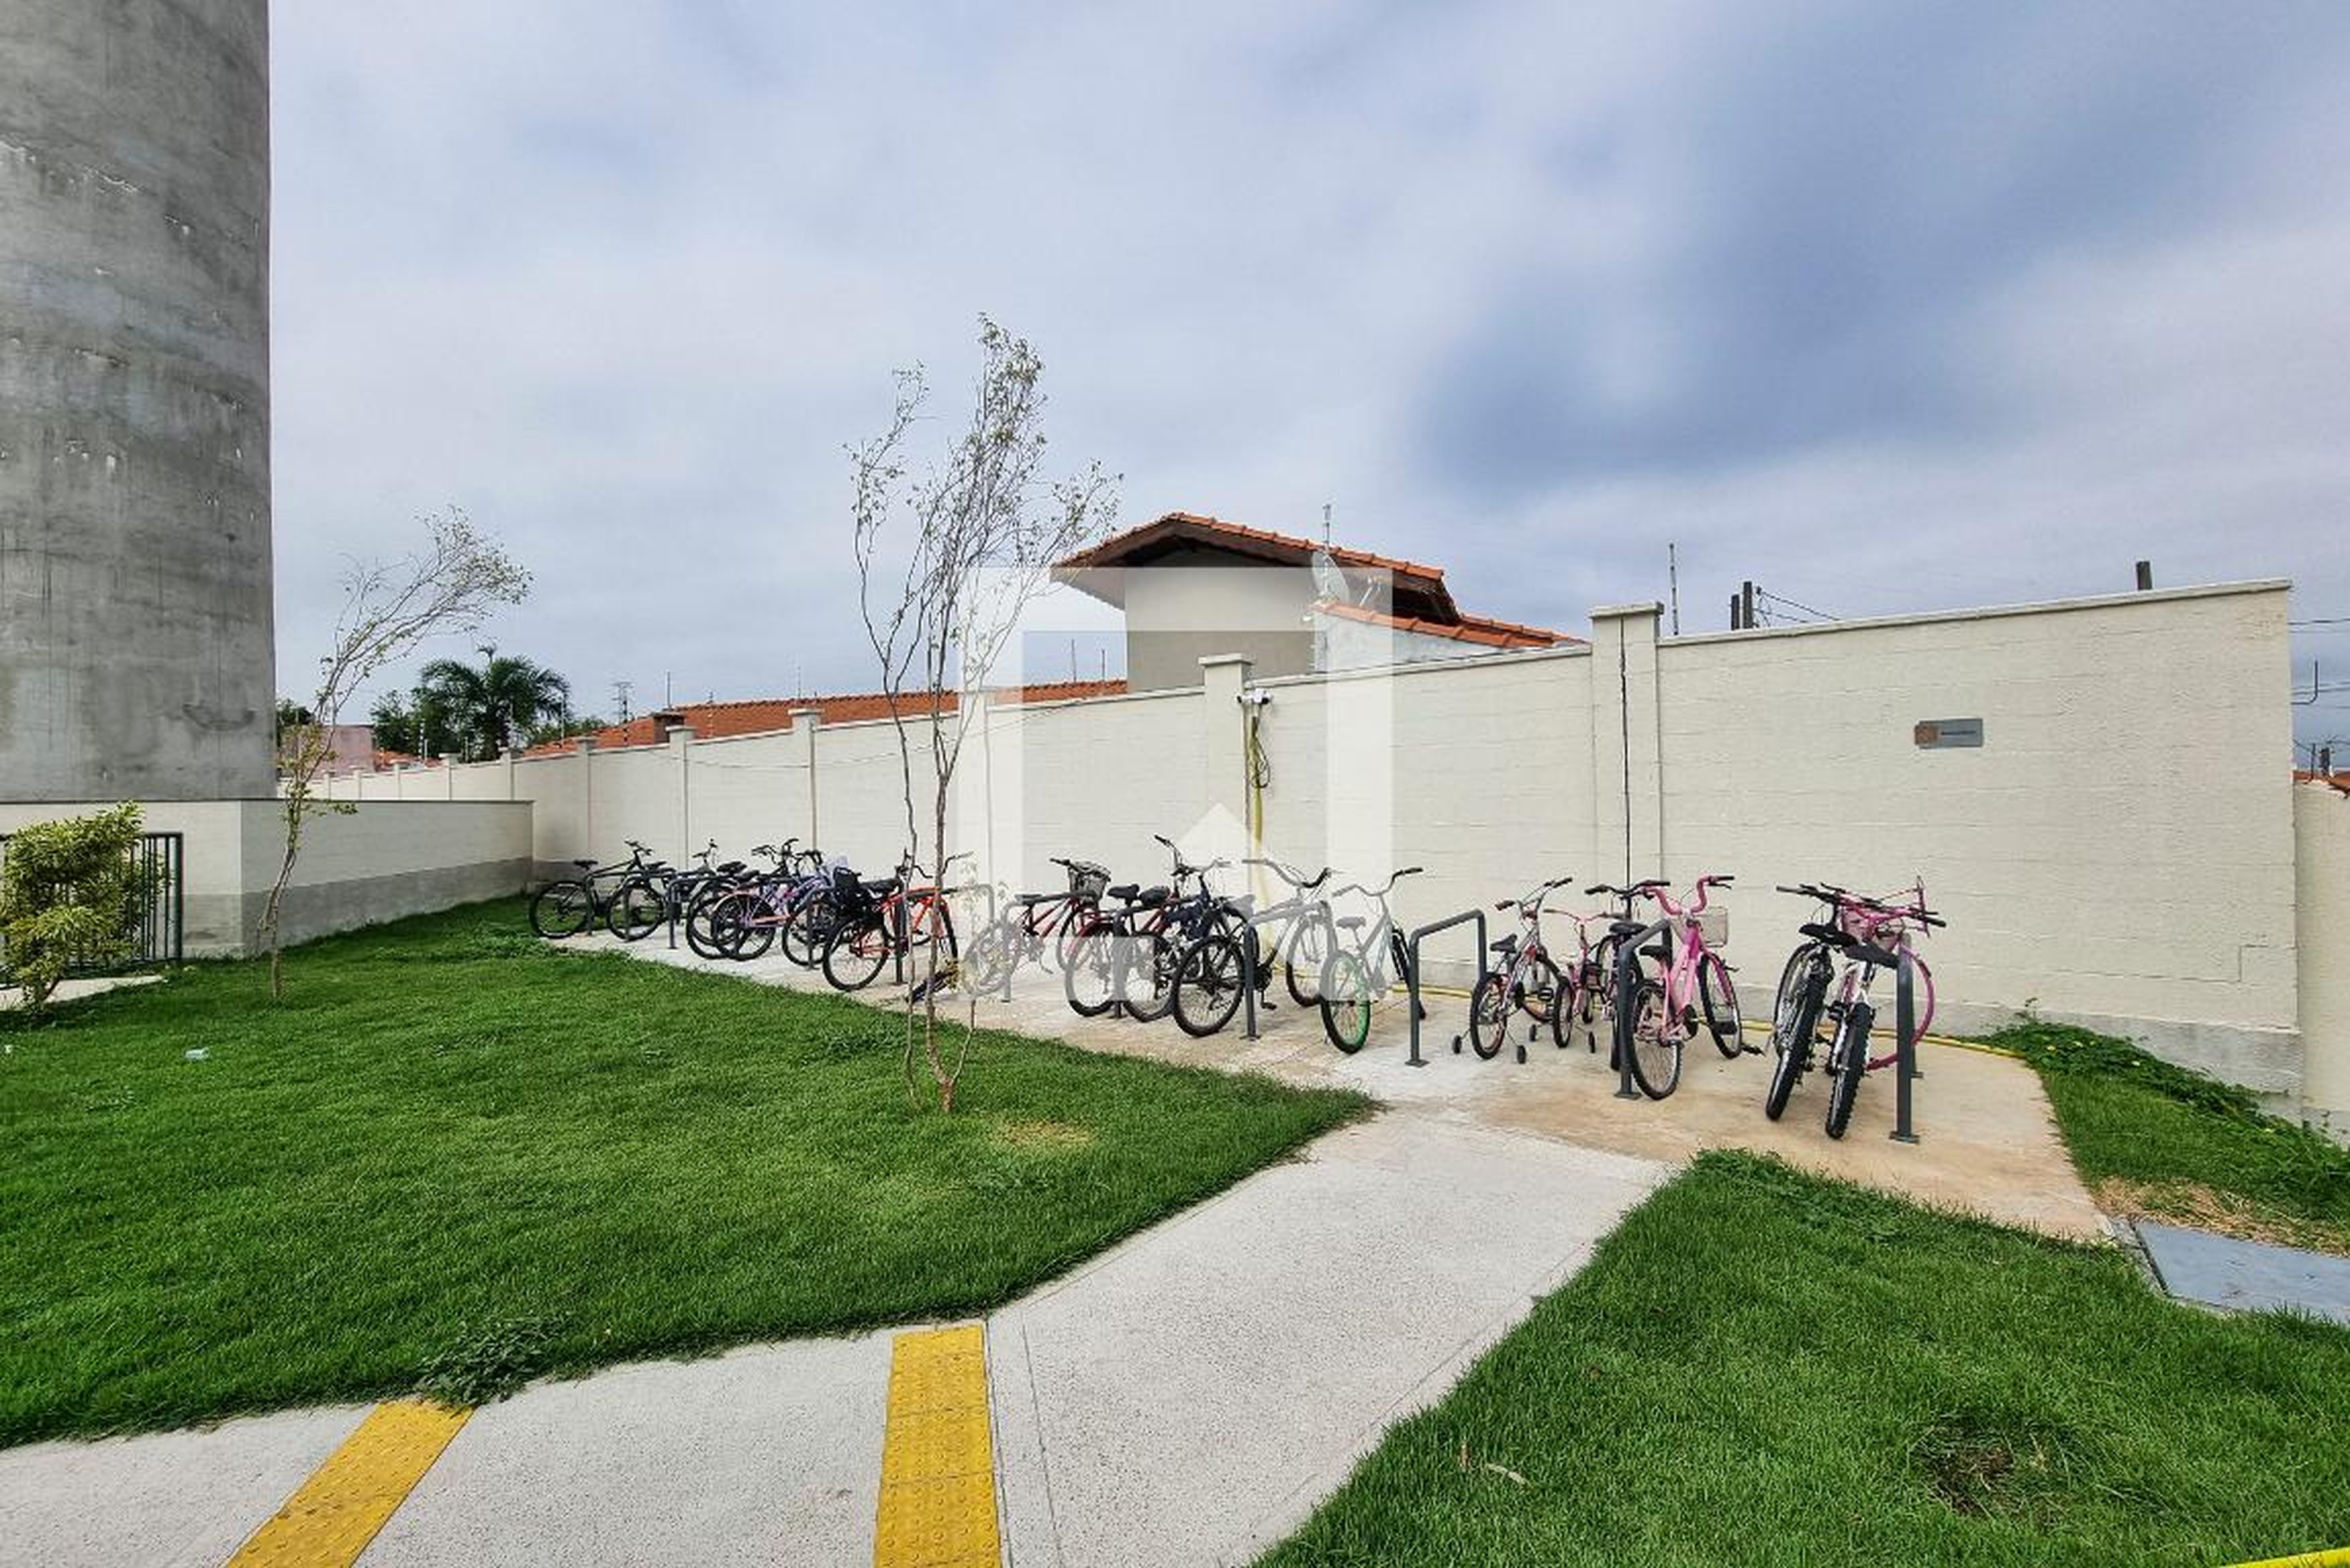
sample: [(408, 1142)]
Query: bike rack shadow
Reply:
[(1412, 983)]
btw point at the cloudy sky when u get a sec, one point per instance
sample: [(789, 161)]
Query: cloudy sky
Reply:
[(1886, 308)]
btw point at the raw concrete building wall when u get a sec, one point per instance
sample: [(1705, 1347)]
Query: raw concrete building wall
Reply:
[(135, 618), (2119, 851)]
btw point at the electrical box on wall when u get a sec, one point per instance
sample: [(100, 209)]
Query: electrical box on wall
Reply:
[(1934, 735)]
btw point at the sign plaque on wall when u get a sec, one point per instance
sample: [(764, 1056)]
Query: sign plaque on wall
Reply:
[(1934, 735)]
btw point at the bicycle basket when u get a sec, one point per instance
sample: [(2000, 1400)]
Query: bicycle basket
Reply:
[(1088, 882)]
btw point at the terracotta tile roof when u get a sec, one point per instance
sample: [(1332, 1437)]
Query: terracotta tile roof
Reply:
[(2339, 781), (768, 715), (1180, 526), (1477, 628)]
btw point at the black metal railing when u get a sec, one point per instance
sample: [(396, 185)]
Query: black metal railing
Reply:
[(156, 923)]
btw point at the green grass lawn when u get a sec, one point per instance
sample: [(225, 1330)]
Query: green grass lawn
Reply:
[(1762, 1367), (2152, 1139), (452, 1156)]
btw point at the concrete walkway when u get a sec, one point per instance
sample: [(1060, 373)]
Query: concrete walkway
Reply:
[(1186, 1398)]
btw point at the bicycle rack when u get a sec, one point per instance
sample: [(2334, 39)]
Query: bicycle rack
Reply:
[(1412, 985), (1628, 954), (1905, 1023), (1248, 969)]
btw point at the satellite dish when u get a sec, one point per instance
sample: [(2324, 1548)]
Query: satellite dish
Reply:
[(1329, 582)]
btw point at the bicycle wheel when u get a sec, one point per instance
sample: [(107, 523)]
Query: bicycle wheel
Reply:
[(1791, 1034), (1489, 1015), (809, 931), (1146, 976), (1088, 980), (752, 925), (699, 934), (1644, 1033), (1846, 1066), (562, 909), (1310, 950), (1347, 1003), (854, 955), (1207, 986), (637, 910), (1718, 1001)]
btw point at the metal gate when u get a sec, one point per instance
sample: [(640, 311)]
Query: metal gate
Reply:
[(157, 926)]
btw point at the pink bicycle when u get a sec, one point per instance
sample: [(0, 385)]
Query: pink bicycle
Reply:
[(1667, 989), (1868, 934)]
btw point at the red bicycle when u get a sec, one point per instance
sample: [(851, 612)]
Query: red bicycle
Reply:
[(877, 921)]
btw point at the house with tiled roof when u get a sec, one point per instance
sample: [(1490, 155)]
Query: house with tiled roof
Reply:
[(1193, 586)]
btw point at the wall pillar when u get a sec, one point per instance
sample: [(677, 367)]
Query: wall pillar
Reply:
[(680, 751), (588, 796), (447, 775), (1628, 773), (507, 758), (806, 722), (1229, 818)]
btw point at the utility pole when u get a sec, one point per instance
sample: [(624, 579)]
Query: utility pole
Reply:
[(621, 689), (2145, 575), (1746, 606), (1673, 582)]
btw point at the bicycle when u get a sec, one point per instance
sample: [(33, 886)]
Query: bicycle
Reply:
[(1125, 957), (1357, 977), (1033, 926), (565, 908), (739, 918), (895, 919), (1868, 933), (1528, 978), (642, 904), (1210, 974), (1596, 964), (1661, 987)]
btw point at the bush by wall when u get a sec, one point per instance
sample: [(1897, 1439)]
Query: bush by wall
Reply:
[(70, 894)]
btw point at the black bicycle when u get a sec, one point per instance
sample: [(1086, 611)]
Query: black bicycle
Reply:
[(1212, 971), (576, 904)]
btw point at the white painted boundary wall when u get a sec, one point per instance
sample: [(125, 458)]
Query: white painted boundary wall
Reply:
[(2120, 851), (2321, 818), (356, 869)]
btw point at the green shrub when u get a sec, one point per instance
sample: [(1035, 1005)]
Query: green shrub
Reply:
[(69, 894)]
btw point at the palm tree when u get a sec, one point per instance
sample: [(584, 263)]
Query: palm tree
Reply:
[(486, 706)]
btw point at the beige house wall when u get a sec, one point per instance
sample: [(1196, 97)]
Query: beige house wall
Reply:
[(1178, 614)]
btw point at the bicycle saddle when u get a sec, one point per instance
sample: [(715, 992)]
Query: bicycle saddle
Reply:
[(1151, 898), (585, 865), (1624, 928), (1351, 922), (1123, 890), (730, 865), (1506, 945), (1029, 900), (1828, 934)]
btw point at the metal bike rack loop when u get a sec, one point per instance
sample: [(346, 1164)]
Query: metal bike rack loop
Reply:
[(1411, 982), (1628, 956), (1905, 1023)]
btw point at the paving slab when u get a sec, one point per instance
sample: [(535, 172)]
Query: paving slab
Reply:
[(171, 1499), (2246, 1276), (766, 1455), (1188, 1396)]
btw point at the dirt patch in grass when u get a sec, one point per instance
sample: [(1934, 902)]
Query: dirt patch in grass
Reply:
[(1987, 1464), (1045, 1134), (2204, 1208)]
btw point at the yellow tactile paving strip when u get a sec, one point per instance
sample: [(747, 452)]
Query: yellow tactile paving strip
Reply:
[(330, 1520), (937, 1461)]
